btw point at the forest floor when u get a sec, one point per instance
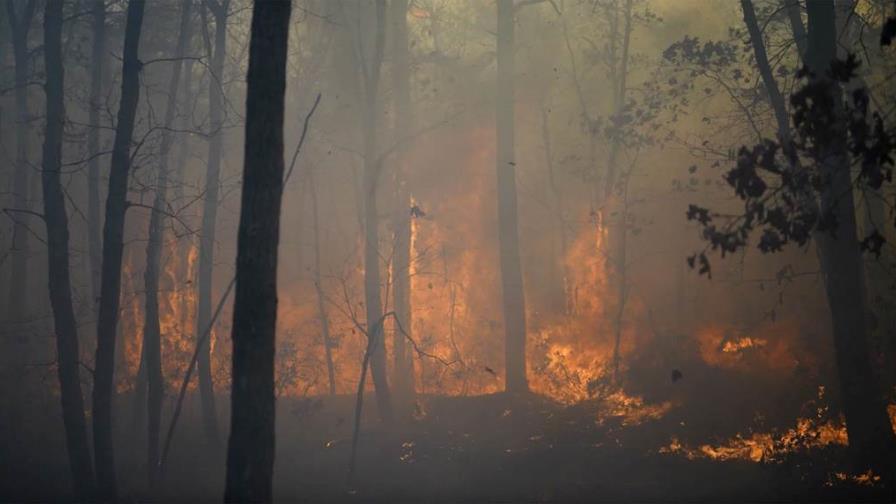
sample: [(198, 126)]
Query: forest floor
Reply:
[(492, 448)]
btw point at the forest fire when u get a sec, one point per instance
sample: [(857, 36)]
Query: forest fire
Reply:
[(447, 251)]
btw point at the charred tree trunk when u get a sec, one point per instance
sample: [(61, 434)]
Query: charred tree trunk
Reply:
[(319, 288), (871, 437), (250, 450), (20, 25), (403, 364), (152, 355), (514, 305), (209, 219), (97, 63), (67, 353), (113, 245)]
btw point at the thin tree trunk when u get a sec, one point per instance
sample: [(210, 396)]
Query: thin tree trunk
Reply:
[(765, 70), (514, 305), (185, 244), (319, 288), (209, 219), (97, 62), (871, 437), (403, 364), (113, 245), (20, 25), (618, 234), (619, 94), (250, 450), (151, 327), (795, 17), (56, 218), (372, 279)]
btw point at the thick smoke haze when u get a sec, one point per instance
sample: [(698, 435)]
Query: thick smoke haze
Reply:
[(447, 250)]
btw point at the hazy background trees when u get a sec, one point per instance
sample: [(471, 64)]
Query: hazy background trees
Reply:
[(489, 197)]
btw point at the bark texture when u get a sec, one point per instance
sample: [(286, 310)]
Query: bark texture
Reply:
[(250, 450)]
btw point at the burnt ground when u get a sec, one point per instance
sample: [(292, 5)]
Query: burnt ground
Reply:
[(467, 449)]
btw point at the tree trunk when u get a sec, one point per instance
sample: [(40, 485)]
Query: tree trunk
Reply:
[(20, 25), (796, 25), (403, 364), (209, 219), (765, 70), (250, 450), (871, 437), (618, 233), (514, 305), (97, 62), (319, 288), (152, 351), (560, 275), (113, 245), (372, 295), (186, 243), (67, 353)]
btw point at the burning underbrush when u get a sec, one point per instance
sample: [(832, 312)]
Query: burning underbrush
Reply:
[(601, 377)]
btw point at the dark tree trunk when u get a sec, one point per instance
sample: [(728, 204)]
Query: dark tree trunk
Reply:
[(67, 354), (871, 437), (152, 355), (209, 219), (20, 25), (97, 63), (514, 305), (113, 245), (403, 364), (796, 25), (250, 450), (765, 70)]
